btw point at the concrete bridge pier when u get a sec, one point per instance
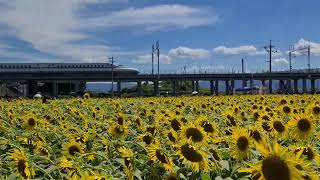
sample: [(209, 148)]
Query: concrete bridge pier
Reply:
[(227, 87), (197, 86), (139, 88), (32, 88), (281, 86), (156, 90), (289, 86), (251, 85), (295, 86), (119, 88), (174, 87), (55, 89), (232, 86), (244, 84), (76, 87), (270, 86), (216, 87), (304, 86), (313, 86), (211, 87), (193, 86)]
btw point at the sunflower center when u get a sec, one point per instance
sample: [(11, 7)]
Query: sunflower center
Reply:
[(127, 162), (73, 150), (147, 139), (266, 118), (21, 168), (175, 125), (208, 127), (274, 168), (119, 130), (161, 157), (308, 152), (265, 126), (171, 137), (283, 101), (195, 134), (278, 126), (232, 120), (256, 115), (256, 135), (304, 125), (151, 129), (214, 154), (120, 120), (242, 143), (190, 154), (316, 110), (31, 122), (286, 109)]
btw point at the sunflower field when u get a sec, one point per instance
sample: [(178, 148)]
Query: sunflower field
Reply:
[(261, 137)]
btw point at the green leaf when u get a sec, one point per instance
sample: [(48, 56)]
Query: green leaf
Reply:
[(205, 176)]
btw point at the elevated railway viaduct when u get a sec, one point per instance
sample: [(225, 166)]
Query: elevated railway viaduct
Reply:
[(29, 74)]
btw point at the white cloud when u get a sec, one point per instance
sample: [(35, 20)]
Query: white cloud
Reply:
[(58, 28), (174, 54), (147, 59), (159, 17), (280, 61), (302, 43), (247, 49), (244, 50), (51, 27), (185, 52)]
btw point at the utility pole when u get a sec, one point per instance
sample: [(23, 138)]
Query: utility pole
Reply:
[(242, 65), (158, 55), (309, 68), (291, 51), (305, 49), (152, 54), (112, 61), (270, 49)]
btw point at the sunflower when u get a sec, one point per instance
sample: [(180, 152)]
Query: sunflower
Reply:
[(65, 164), (230, 118), (127, 155), (285, 109), (314, 109), (147, 138), (192, 156), (175, 124), (22, 163), (157, 154), (118, 131), (256, 134), (30, 122), (171, 135), (302, 126), (71, 148), (308, 152), (86, 96), (277, 127), (276, 164), (209, 127), (195, 133), (240, 143)]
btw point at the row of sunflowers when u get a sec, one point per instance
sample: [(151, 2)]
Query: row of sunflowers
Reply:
[(271, 137)]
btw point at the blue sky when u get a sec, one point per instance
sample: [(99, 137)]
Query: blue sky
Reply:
[(211, 35)]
